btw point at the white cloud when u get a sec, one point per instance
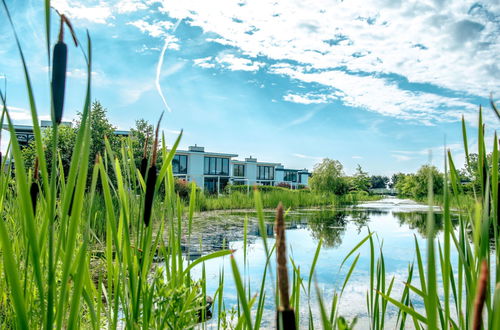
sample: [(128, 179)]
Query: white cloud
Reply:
[(156, 30), (17, 113), (205, 62), (453, 46), (130, 6), (308, 98), (357, 157), (402, 158), (100, 13), (233, 62), (307, 157)]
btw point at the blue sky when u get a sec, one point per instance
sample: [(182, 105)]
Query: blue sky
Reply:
[(375, 83)]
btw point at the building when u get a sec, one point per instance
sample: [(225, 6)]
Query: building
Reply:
[(212, 171)]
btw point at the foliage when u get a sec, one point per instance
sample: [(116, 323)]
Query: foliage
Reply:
[(143, 130), (360, 181), (395, 178), (328, 177), (65, 146), (100, 128), (416, 185), (379, 181)]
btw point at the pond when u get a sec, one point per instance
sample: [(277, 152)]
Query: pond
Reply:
[(395, 222)]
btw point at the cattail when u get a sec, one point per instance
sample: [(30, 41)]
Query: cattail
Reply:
[(144, 161), (480, 296), (151, 179), (59, 64), (285, 316), (34, 189)]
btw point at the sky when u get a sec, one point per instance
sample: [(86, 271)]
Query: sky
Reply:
[(375, 83)]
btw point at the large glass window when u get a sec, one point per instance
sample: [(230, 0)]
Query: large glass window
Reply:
[(290, 176), (179, 164), (216, 166), (265, 173), (239, 170)]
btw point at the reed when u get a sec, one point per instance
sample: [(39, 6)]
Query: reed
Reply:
[(52, 277)]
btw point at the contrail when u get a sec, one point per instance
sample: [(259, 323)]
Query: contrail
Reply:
[(160, 64)]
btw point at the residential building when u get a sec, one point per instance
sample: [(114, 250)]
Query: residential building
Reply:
[(212, 171)]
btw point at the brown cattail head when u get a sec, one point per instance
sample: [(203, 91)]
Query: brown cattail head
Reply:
[(34, 189), (480, 296), (281, 258), (151, 179)]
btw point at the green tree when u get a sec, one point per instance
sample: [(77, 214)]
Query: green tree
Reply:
[(360, 181), (100, 127), (65, 145), (328, 176), (379, 181), (395, 178), (416, 185), (138, 136)]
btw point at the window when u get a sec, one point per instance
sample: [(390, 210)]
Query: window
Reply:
[(265, 173), (179, 164), (239, 170), (290, 176), (216, 166)]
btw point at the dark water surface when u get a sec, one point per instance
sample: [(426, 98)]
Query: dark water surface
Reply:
[(395, 222)]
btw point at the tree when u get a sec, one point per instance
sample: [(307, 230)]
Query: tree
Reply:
[(395, 178), (379, 181), (100, 127), (328, 176), (360, 181), (138, 136), (65, 145), (416, 185)]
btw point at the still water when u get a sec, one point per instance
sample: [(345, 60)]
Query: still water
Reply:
[(396, 223)]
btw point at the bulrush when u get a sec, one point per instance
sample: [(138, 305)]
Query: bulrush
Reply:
[(59, 65), (285, 316), (144, 161), (480, 296), (151, 179), (34, 189)]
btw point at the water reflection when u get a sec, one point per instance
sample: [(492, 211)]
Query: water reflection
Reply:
[(217, 230), (394, 221)]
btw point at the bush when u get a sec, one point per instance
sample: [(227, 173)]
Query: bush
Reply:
[(245, 188)]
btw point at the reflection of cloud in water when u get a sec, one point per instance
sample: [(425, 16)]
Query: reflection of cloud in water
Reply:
[(340, 230)]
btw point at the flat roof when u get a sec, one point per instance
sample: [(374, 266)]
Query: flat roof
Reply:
[(206, 153), (258, 163)]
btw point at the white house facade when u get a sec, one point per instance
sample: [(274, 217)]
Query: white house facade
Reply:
[(213, 171)]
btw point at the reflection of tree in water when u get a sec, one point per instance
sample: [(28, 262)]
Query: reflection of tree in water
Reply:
[(328, 226), (418, 221)]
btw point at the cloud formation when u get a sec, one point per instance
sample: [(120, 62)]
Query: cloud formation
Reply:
[(425, 61)]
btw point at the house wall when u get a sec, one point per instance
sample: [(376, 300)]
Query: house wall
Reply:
[(196, 168)]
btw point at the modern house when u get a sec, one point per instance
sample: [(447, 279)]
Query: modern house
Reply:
[(212, 171)]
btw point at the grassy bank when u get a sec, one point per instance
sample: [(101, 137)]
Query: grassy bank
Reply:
[(46, 280), (289, 198)]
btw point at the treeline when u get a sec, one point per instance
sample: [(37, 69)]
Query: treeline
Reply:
[(329, 176), (102, 132), (415, 185)]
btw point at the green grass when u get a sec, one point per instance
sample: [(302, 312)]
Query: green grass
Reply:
[(289, 198), (46, 281)]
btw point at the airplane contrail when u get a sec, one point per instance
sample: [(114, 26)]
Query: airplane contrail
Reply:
[(160, 64)]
